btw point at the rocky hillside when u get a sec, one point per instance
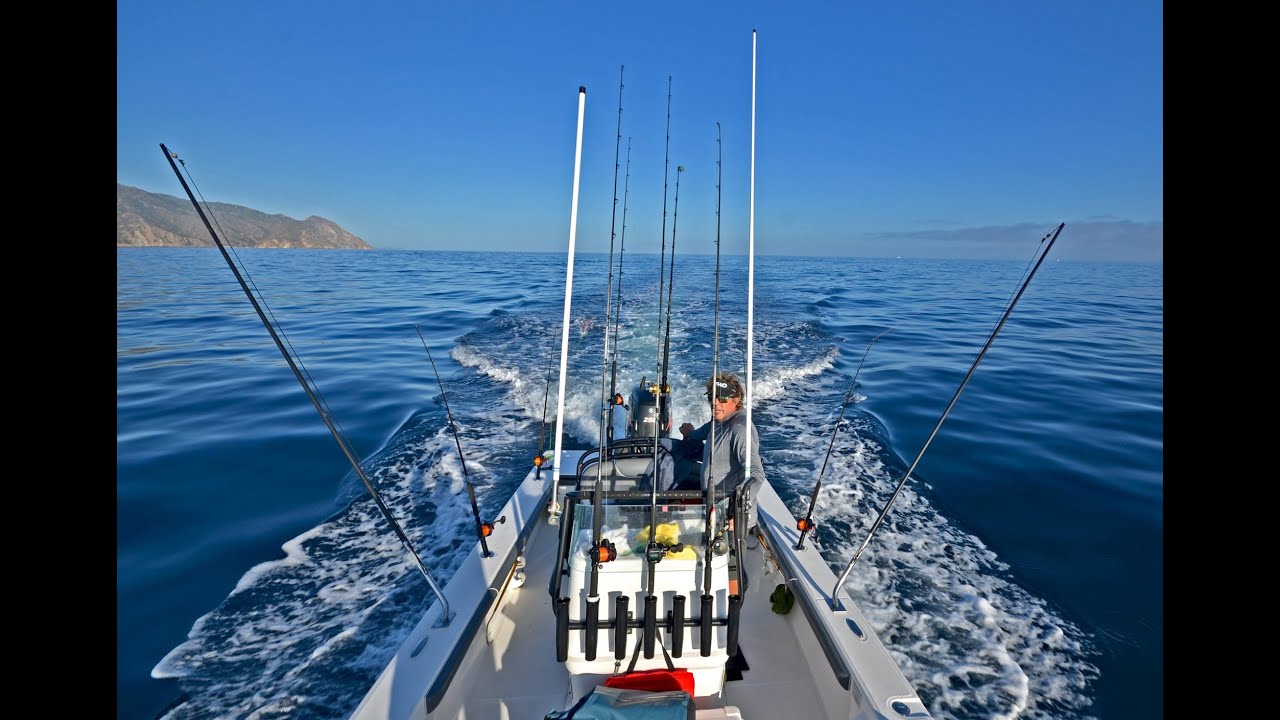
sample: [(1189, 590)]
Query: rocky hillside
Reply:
[(145, 219)]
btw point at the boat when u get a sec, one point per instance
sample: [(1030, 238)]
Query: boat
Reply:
[(609, 589), (576, 602)]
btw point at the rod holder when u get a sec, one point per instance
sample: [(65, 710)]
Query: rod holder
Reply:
[(620, 618)]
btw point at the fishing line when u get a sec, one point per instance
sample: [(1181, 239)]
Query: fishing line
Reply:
[(1042, 250), (483, 529), (312, 392)]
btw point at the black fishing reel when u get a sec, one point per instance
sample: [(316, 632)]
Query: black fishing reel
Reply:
[(656, 550)]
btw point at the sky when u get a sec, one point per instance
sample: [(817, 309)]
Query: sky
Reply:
[(909, 128)]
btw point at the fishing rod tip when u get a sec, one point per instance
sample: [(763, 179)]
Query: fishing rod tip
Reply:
[(582, 89)]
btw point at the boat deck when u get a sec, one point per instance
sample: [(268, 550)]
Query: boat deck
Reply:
[(496, 658), (517, 677)]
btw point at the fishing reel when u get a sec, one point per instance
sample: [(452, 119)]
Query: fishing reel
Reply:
[(719, 546), (656, 550), (486, 529), (805, 525), (605, 552)]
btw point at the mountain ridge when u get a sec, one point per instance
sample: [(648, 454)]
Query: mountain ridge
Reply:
[(146, 219)]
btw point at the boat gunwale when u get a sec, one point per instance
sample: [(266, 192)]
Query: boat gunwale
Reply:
[(443, 674)]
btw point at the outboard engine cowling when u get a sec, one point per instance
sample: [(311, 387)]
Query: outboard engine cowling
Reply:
[(648, 408)]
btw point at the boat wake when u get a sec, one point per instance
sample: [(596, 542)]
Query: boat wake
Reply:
[(972, 642), (305, 635)]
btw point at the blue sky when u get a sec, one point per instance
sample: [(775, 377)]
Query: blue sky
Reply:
[(904, 128)]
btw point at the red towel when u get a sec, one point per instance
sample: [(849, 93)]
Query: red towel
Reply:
[(653, 680)]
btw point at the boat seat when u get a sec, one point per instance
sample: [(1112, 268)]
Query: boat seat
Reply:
[(630, 473), (627, 465)]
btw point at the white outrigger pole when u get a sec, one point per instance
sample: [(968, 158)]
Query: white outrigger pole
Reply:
[(568, 289), (751, 256)]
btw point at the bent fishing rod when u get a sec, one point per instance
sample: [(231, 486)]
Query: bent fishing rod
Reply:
[(312, 393), (805, 525), (483, 529), (603, 551), (1052, 238)]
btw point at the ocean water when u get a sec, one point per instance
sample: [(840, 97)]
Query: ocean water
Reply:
[(1018, 575)]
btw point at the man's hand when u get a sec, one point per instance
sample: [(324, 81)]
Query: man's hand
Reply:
[(685, 429)]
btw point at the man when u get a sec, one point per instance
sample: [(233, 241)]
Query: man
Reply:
[(724, 461)]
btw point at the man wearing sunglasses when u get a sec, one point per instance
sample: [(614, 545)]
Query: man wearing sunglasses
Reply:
[(725, 460)]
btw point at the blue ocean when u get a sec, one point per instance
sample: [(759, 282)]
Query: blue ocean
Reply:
[(1019, 574)]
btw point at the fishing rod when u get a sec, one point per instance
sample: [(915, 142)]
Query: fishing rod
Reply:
[(1052, 238), (542, 435), (312, 393), (657, 388), (712, 532), (671, 286), (805, 525), (568, 286), (617, 307), (655, 551), (751, 263), (741, 497), (603, 551), (562, 603), (483, 529)]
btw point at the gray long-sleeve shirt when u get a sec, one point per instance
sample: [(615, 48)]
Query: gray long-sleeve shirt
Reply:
[(727, 465)]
